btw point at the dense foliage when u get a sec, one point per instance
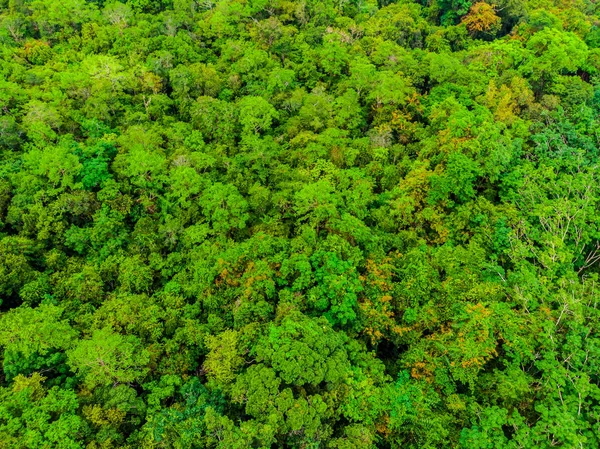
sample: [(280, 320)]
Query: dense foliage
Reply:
[(299, 224)]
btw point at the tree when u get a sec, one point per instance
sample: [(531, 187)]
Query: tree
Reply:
[(482, 18), (108, 358), (256, 114)]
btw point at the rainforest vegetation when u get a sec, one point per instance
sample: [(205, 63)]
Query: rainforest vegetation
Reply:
[(303, 224)]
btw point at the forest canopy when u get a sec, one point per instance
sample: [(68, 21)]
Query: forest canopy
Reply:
[(302, 224)]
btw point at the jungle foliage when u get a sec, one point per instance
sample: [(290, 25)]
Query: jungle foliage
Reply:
[(299, 224)]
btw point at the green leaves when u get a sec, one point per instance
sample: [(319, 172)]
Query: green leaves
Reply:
[(35, 339), (33, 417), (108, 358), (337, 289), (27, 331), (223, 359), (318, 224), (256, 114), (457, 181), (304, 351), (224, 207), (555, 53)]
